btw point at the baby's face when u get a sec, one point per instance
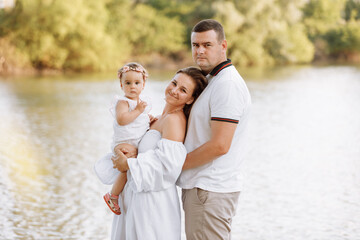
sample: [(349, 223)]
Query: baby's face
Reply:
[(132, 83)]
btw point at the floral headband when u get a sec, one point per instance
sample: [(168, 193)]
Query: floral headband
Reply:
[(126, 69)]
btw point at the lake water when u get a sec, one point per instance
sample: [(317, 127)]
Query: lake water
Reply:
[(302, 168)]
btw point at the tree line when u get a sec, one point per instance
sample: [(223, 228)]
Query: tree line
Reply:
[(92, 35)]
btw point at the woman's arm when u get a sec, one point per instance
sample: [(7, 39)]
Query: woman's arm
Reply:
[(173, 128), (159, 168)]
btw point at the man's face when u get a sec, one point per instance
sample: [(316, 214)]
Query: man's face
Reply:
[(207, 52)]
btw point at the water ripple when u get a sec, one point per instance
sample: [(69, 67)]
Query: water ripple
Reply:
[(302, 170)]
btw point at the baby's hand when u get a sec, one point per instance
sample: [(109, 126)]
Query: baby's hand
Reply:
[(152, 119), (141, 106)]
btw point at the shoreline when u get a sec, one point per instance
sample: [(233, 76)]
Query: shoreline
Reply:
[(156, 62)]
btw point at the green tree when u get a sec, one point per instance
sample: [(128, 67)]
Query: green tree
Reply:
[(61, 34), (264, 32), (153, 32), (344, 40), (187, 12), (321, 15), (333, 27), (352, 10), (99, 35), (11, 59)]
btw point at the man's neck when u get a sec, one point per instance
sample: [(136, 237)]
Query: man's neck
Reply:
[(224, 64), (207, 71)]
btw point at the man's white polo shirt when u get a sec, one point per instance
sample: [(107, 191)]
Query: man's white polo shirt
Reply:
[(226, 98)]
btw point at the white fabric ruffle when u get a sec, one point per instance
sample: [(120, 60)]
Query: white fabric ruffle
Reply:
[(157, 169), (104, 170)]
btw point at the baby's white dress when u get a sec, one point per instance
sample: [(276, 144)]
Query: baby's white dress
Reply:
[(130, 133)]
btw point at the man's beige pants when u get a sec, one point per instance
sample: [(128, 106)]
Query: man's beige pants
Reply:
[(208, 215)]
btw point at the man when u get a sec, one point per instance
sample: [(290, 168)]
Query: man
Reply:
[(211, 176)]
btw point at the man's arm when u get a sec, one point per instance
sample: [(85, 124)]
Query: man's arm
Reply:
[(221, 137)]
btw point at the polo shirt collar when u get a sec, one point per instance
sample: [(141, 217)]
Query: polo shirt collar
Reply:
[(220, 67)]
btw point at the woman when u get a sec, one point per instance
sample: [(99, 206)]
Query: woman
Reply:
[(150, 202)]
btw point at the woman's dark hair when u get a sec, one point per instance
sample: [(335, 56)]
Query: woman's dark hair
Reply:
[(200, 83)]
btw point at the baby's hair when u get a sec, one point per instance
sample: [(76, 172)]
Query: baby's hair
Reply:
[(133, 66)]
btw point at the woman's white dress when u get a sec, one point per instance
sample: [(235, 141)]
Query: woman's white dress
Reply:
[(150, 203)]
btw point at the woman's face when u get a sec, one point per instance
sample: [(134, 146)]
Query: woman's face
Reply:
[(180, 90)]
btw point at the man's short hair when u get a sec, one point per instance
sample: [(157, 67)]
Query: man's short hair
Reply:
[(210, 24)]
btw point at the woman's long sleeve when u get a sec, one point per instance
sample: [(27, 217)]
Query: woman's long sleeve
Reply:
[(157, 169)]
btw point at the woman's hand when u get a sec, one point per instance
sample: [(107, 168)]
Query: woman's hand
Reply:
[(123, 151), (129, 150), (120, 162)]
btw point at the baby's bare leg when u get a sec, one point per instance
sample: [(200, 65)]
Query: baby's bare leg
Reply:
[(112, 198), (119, 184)]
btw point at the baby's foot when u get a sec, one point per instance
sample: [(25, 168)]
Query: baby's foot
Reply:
[(113, 203)]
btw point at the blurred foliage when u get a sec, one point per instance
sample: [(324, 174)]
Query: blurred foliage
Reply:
[(264, 32), (344, 40), (143, 29), (61, 34), (321, 15), (91, 35), (334, 26), (352, 10)]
